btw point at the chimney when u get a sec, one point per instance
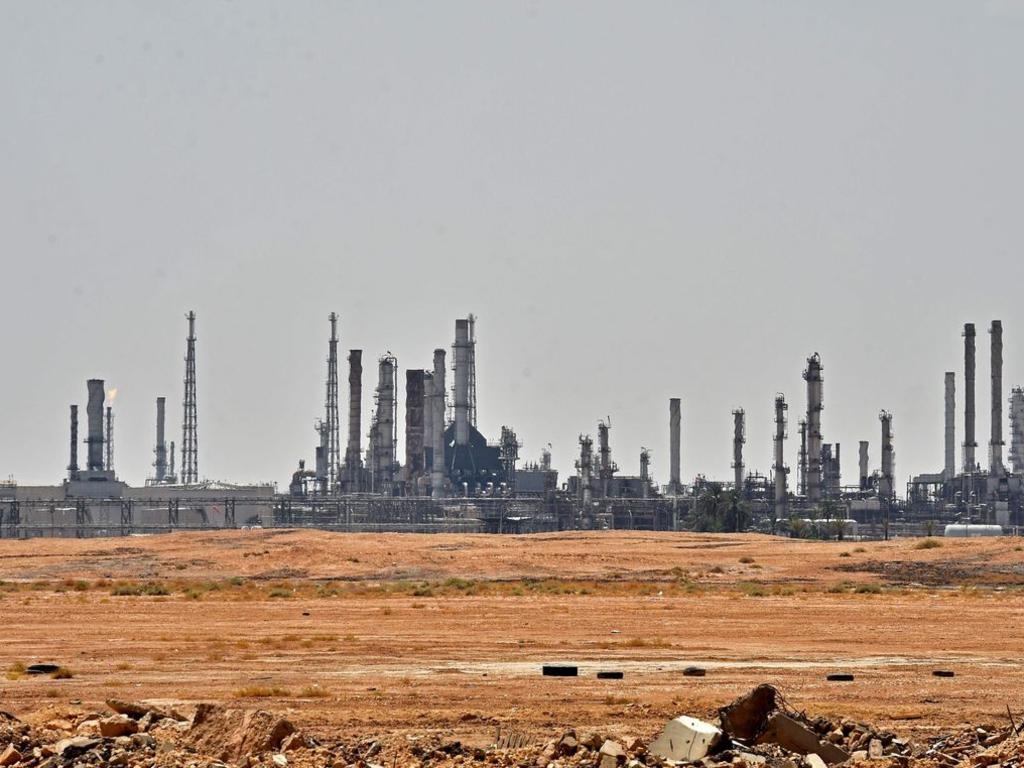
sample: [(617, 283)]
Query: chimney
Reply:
[(94, 417), (814, 407), (674, 420), (354, 449), (463, 360), (161, 446), (73, 463), (970, 443), (437, 438), (170, 466), (949, 471), (995, 446), (780, 460)]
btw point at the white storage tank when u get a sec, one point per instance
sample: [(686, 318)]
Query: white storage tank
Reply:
[(967, 530)]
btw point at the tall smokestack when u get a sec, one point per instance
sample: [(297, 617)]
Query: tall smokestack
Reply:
[(865, 473), (781, 470), (674, 469), (462, 353), (645, 471), (73, 463), (437, 438), (995, 445), (970, 443), (170, 466), (949, 471), (1017, 430), (354, 449), (414, 406), (739, 437), (814, 407), (94, 417), (161, 446)]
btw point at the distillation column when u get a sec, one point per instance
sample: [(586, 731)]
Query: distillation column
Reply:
[(865, 473), (781, 470), (73, 463), (886, 484), (584, 467), (461, 350), (739, 437), (674, 469), (354, 449), (949, 470), (384, 440), (604, 450), (995, 446), (415, 398), (814, 407), (1017, 430), (970, 443), (437, 438)]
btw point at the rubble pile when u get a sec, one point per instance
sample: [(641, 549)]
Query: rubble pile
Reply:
[(758, 730)]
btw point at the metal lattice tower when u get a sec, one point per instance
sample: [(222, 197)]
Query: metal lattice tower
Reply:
[(331, 406), (189, 440)]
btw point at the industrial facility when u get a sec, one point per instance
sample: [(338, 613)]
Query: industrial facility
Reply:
[(452, 477)]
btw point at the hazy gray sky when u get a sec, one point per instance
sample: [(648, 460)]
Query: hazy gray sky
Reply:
[(637, 200)]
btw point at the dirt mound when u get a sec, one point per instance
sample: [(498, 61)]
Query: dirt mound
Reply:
[(231, 734)]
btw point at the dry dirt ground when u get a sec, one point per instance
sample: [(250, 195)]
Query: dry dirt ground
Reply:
[(412, 634)]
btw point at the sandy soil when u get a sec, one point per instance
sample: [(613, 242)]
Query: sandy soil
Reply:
[(418, 633)]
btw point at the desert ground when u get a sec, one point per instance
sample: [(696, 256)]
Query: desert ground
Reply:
[(446, 634)]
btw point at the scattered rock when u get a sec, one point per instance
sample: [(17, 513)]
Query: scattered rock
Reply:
[(611, 754), (10, 756), (117, 725)]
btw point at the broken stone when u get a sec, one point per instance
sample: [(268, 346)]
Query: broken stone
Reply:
[(859, 755), (117, 725), (10, 756), (295, 741), (814, 761), (280, 760), (796, 737), (685, 738), (875, 749), (231, 734), (73, 747), (612, 754)]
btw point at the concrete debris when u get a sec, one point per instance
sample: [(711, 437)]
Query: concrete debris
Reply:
[(685, 738), (776, 737), (797, 737)]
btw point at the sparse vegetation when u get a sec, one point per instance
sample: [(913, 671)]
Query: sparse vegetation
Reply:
[(261, 692), (928, 544)]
